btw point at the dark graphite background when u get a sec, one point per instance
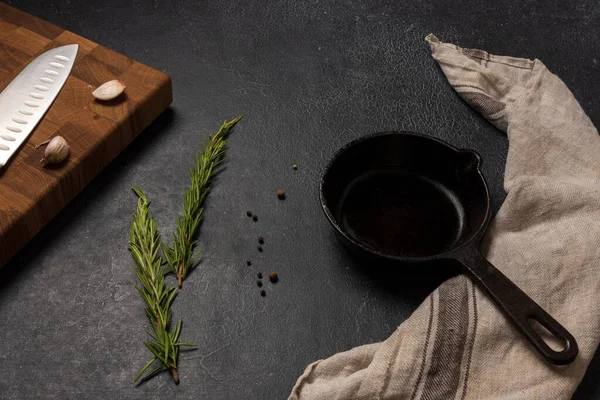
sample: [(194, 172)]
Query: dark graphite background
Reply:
[(309, 76)]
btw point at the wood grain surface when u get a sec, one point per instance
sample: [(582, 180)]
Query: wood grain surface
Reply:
[(31, 194)]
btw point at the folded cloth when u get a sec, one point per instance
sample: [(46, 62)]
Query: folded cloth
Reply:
[(546, 238)]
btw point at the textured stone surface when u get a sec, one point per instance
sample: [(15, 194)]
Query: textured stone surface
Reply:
[(309, 76)]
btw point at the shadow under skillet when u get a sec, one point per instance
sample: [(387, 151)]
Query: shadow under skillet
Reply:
[(68, 216), (411, 283)]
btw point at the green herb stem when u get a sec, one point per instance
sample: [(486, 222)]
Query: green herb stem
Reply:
[(180, 256), (144, 244)]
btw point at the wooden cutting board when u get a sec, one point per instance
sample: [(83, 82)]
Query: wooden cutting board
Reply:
[(31, 194)]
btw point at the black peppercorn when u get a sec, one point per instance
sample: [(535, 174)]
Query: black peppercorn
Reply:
[(273, 277), (263, 293), (259, 275), (255, 218), (259, 283), (248, 262), (261, 240), (260, 248), (249, 213)]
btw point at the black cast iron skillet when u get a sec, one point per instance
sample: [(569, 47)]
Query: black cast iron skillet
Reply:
[(412, 199)]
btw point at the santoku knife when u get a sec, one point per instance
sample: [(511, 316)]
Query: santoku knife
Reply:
[(27, 98)]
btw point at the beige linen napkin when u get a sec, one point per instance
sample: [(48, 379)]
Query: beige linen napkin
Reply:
[(546, 238)]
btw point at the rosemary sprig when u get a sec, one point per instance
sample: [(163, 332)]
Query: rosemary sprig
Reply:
[(180, 256), (144, 243)]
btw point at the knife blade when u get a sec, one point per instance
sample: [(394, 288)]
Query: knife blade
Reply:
[(26, 99)]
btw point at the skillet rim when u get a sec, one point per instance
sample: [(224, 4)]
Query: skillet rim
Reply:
[(473, 240)]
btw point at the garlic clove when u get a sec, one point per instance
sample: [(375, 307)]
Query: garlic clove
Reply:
[(109, 90), (56, 151)]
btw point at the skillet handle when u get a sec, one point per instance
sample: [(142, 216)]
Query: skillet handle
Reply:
[(521, 309)]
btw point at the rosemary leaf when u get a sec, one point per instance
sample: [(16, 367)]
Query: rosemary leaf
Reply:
[(180, 256), (144, 369), (144, 245)]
